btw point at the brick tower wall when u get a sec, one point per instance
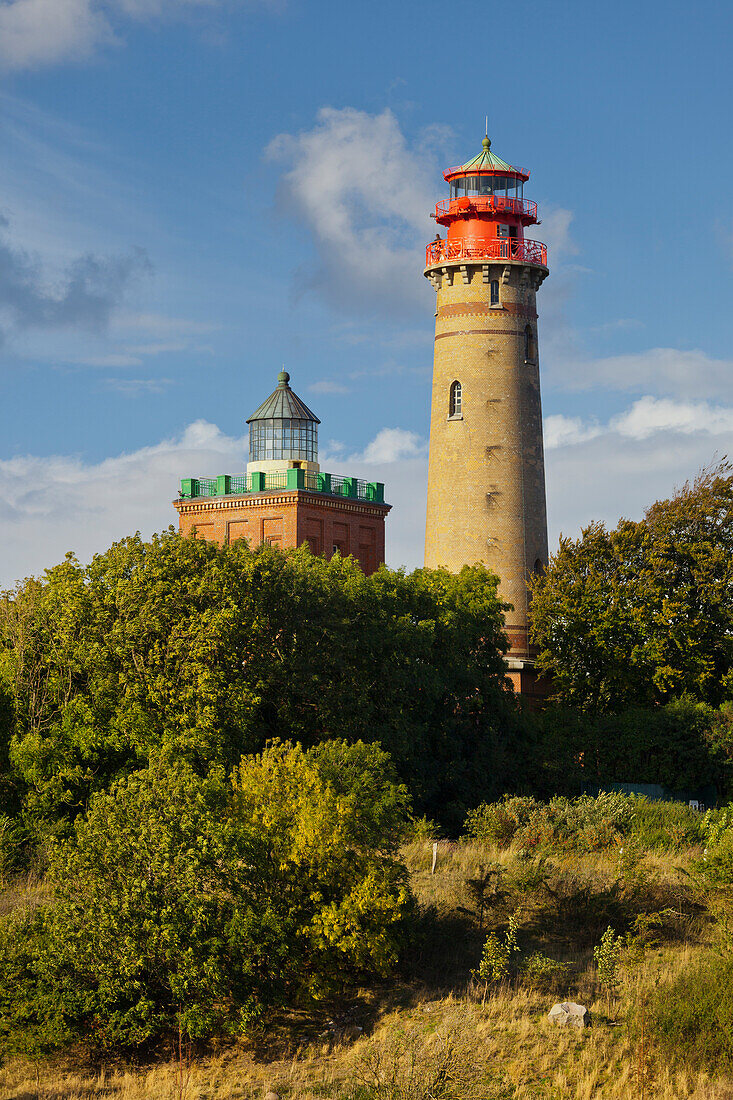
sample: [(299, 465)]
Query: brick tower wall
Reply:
[(486, 477)]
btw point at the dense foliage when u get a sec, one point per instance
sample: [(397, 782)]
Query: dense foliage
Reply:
[(644, 613), (682, 745), (197, 903), (585, 824), (212, 651)]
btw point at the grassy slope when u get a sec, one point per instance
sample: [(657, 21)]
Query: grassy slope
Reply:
[(436, 1022)]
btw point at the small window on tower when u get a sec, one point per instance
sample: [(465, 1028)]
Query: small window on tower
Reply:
[(530, 351), (502, 230), (494, 292), (454, 404)]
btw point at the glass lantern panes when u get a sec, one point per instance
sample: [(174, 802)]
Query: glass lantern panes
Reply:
[(271, 439)]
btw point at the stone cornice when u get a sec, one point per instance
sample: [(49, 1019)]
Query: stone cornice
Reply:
[(295, 496)]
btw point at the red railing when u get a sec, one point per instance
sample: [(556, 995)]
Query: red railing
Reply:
[(527, 252), (486, 204)]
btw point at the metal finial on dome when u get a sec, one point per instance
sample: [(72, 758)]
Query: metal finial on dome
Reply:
[(486, 143), (283, 378)]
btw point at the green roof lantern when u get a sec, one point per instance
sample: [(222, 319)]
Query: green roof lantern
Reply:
[(283, 404), (486, 161)]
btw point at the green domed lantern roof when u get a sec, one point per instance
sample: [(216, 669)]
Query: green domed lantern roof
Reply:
[(283, 404)]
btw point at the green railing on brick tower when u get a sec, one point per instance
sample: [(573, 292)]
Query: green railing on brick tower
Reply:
[(335, 485)]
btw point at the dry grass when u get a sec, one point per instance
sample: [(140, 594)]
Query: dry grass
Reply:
[(498, 1046)]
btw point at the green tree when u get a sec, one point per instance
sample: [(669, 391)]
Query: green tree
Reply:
[(212, 651), (682, 744), (192, 902), (643, 613)]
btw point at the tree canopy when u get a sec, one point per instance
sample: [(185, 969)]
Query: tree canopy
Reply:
[(195, 902), (643, 614), (211, 651)]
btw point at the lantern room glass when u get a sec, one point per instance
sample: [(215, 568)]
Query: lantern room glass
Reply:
[(504, 186), (288, 439)]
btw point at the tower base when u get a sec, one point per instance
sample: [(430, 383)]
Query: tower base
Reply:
[(533, 688)]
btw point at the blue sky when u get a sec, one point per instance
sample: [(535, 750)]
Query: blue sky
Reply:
[(194, 192)]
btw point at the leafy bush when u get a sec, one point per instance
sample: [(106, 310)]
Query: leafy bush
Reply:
[(580, 824), (540, 972), (192, 902), (659, 824), (499, 821), (715, 822), (497, 954), (692, 1016), (607, 955)]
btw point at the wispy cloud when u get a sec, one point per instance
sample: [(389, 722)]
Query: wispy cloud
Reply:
[(365, 194), (49, 505), (35, 33), (328, 386), (668, 372), (646, 417), (82, 295), (135, 387)]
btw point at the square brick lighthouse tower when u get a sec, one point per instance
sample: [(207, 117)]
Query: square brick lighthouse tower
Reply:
[(486, 476), (284, 499)]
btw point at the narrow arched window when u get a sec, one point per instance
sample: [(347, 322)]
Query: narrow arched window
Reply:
[(529, 344), (454, 404), (494, 292)]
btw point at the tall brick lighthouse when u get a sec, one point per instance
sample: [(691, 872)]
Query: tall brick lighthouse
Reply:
[(486, 477)]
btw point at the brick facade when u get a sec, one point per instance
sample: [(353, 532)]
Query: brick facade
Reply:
[(486, 477), (288, 518)]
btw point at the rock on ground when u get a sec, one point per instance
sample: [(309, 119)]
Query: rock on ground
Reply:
[(568, 1014)]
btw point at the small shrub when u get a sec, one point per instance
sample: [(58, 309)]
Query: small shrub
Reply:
[(422, 829), (692, 1016), (715, 822), (497, 954), (608, 959), (500, 821), (541, 972), (716, 865)]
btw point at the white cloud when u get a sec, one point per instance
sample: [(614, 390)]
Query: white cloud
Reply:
[(666, 371), (134, 387), (40, 32), (392, 445), (327, 386), (82, 295), (34, 33), (51, 505), (365, 195), (608, 477), (651, 414), (646, 417), (565, 430), (555, 233)]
